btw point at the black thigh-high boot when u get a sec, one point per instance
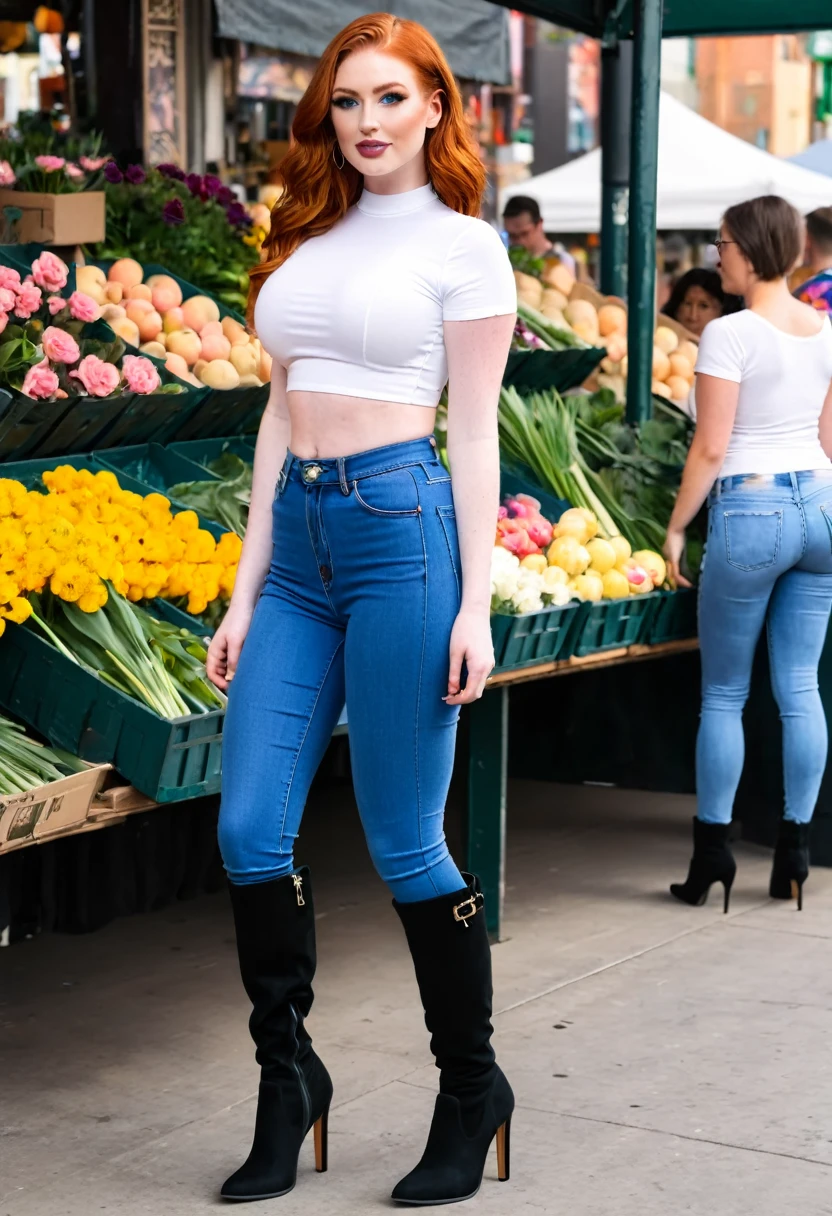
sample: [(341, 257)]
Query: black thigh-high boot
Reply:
[(275, 924), (712, 862), (452, 957), (790, 867)]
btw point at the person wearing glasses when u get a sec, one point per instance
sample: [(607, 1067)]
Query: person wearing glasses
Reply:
[(761, 458), (523, 224)]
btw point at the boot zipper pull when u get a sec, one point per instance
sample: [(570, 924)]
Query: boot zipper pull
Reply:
[(298, 881)]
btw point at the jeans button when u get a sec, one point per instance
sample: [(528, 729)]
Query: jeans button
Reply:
[(311, 472)]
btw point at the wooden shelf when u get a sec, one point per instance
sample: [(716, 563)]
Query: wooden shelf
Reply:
[(592, 662)]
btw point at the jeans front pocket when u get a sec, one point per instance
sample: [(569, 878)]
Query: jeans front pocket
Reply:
[(393, 494), (752, 538)]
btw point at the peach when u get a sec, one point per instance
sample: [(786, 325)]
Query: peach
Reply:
[(185, 342), (264, 371), (234, 331), (150, 326), (220, 374), (215, 346), (250, 382), (114, 292), (212, 327), (244, 359), (112, 312), (198, 311), (166, 292), (136, 309), (127, 330), (154, 348), (177, 365), (198, 366), (92, 281), (126, 271), (141, 291), (173, 319)]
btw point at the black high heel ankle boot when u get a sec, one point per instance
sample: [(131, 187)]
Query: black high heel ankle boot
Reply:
[(791, 862), (275, 923), (712, 862), (449, 944)]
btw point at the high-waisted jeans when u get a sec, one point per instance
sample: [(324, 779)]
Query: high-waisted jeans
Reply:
[(358, 605), (768, 561)]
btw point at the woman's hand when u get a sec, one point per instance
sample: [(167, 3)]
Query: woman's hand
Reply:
[(225, 647), (674, 547), (470, 644)]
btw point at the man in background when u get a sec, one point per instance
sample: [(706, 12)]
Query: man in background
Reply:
[(524, 226), (817, 288)]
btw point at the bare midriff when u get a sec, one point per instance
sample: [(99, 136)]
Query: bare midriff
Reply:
[(326, 425)]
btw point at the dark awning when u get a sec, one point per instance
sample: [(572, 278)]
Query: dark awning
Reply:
[(683, 17), (473, 33)]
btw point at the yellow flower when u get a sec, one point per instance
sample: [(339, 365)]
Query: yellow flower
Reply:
[(197, 603), (71, 580), (18, 610), (201, 546), (12, 497), (155, 547), (229, 548), (106, 484), (227, 581), (186, 523), (93, 599), (59, 534), (2, 627), (134, 594)]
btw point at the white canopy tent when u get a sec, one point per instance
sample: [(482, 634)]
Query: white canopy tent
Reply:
[(702, 170)]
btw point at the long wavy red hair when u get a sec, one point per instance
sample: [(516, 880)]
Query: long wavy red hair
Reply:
[(316, 193)]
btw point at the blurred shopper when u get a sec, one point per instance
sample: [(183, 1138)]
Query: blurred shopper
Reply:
[(524, 226), (817, 288), (761, 457), (698, 298)]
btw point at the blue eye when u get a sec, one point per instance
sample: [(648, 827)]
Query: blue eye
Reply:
[(344, 103), (392, 98)]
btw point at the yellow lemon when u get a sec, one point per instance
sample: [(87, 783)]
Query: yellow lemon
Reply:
[(622, 546), (615, 585), (534, 561), (602, 555)]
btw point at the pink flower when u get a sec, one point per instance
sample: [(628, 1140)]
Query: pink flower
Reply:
[(74, 171), (59, 346), (93, 163), (4, 320), (140, 374), (56, 304), (8, 176), (98, 378), (50, 272), (40, 381), (50, 163), (9, 278), (28, 300), (83, 307), (7, 299)]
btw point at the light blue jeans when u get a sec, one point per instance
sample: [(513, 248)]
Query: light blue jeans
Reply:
[(768, 562), (359, 603)]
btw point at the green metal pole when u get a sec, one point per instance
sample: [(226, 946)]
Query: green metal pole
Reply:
[(616, 91), (644, 154), (487, 774)]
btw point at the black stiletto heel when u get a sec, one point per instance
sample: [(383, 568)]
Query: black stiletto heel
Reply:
[(712, 862), (790, 867)]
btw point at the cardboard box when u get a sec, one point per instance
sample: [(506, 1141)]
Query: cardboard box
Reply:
[(582, 291), (118, 802), (58, 219), (50, 810)]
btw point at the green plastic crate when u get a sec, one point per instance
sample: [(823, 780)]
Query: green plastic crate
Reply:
[(154, 465), (541, 370), (611, 624), (535, 637), (520, 481), (169, 760), (675, 616), (203, 451)]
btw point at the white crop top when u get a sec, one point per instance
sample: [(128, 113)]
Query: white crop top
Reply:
[(783, 381), (359, 310)]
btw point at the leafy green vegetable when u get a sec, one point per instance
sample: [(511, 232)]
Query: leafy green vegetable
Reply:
[(24, 764), (526, 262), (226, 501)]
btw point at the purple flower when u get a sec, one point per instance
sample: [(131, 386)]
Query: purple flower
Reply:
[(173, 212), (225, 196), (194, 183), (112, 173), (135, 175), (171, 171), (211, 185), (237, 215)]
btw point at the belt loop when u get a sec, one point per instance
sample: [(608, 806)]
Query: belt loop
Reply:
[(717, 490), (342, 476), (795, 486)]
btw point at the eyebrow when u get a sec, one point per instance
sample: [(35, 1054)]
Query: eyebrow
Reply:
[(382, 88)]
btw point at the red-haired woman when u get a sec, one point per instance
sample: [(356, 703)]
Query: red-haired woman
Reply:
[(363, 577)]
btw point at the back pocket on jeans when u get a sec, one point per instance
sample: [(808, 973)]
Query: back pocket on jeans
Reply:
[(752, 538)]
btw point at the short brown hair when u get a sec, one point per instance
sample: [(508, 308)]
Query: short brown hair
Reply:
[(769, 231), (819, 228)]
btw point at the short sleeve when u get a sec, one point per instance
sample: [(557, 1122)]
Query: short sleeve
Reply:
[(478, 280), (721, 353)]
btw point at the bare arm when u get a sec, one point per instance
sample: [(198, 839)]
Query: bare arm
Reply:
[(477, 352), (716, 408), (825, 425), (269, 455)]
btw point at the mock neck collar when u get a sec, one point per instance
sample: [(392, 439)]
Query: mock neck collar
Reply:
[(396, 204)]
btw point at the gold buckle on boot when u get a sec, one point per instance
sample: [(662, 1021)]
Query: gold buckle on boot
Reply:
[(468, 908)]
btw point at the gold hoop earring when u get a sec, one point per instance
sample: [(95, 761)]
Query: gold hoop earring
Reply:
[(343, 158)]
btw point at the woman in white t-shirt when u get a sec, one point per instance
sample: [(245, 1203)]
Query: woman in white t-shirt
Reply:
[(761, 456), (365, 577)]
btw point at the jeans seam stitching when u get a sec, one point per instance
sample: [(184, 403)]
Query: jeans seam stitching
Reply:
[(376, 511), (297, 755), (419, 699)]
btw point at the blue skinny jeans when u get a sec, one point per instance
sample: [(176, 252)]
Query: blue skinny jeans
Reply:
[(358, 605), (768, 562)]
